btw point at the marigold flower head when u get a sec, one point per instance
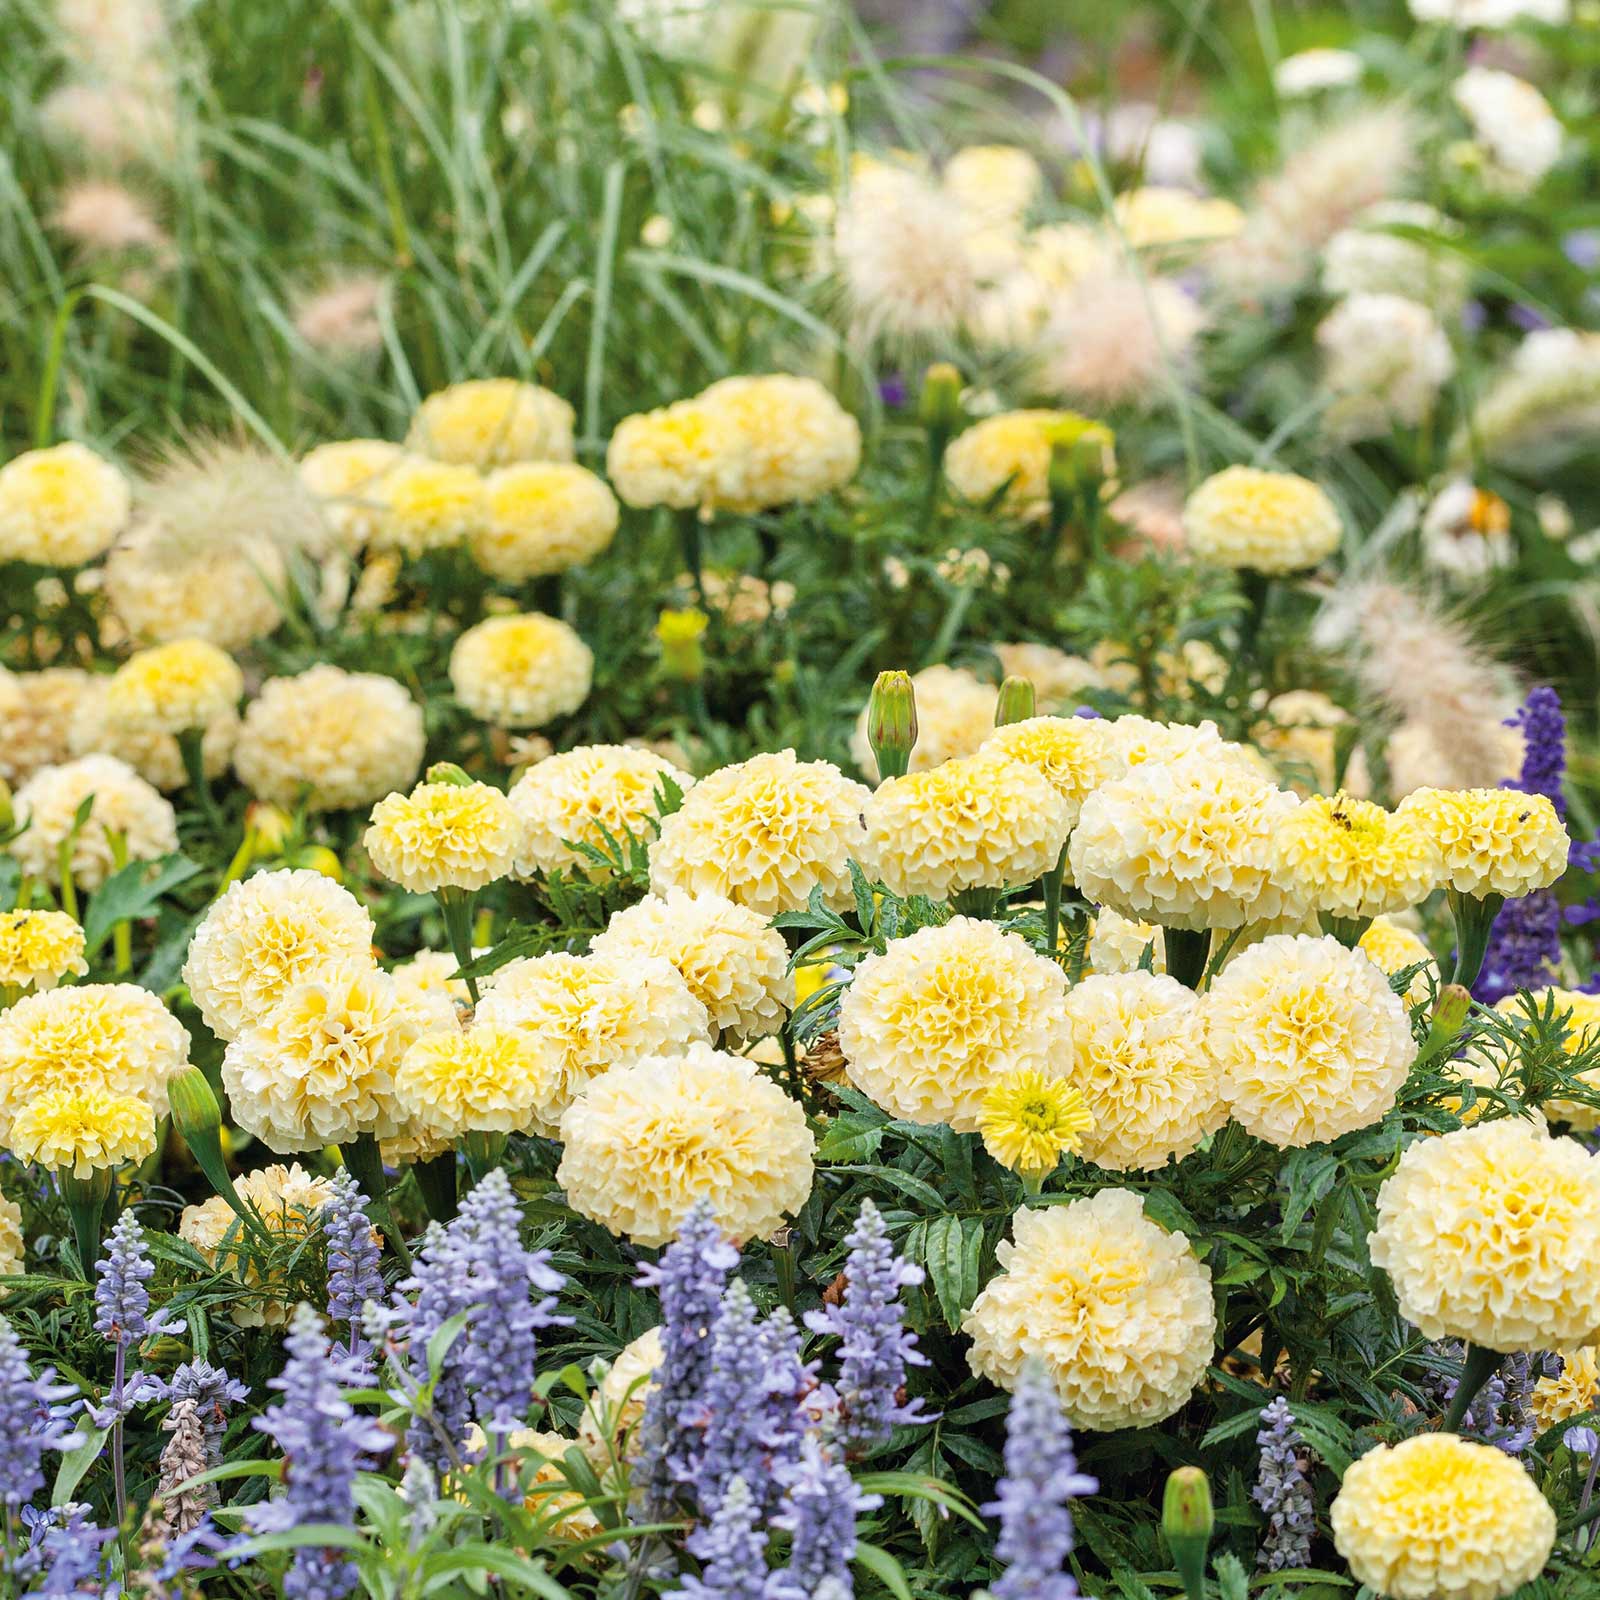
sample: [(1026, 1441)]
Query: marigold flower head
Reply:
[(171, 688), (1118, 944), (1076, 754), (123, 803), (1492, 841), (648, 1141), (427, 505), (1030, 1120), (791, 442), (1157, 214), (1299, 730), (1570, 1393), (1059, 680), (667, 457), (1117, 1309), (1393, 948), (1437, 1517), (521, 671), (443, 836), (98, 729), (83, 1131), (61, 506), (348, 478), (541, 517), (13, 1247), (1010, 451), (617, 1402), (492, 422), (36, 714), (1352, 859), (955, 714), (432, 972), (39, 948), (484, 1080), (1272, 522)]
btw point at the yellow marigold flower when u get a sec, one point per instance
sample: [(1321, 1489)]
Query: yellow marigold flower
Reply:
[(348, 478), (1271, 522), (1140, 741), (521, 671), (492, 422), (1009, 451), (1077, 754), (431, 972), (1580, 1014), (983, 822), (170, 688), (955, 714), (1029, 1121), (1162, 214), (993, 182), (1194, 663), (1117, 944), (1059, 680), (39, 948), (1492, 841), (646, 1141), (1117, 1309), (97, 728), (60, 507), (482, 1081), (1394, 948), (13, 1248), (444, 836), (1309, 1038), (36, 714), (123, 803), (83, 1131), (668, 457), (264, 935), (1436, 1517), (548, 1495), (617, 1402), (931, 1025), (1352, 859), (765, 832), (427, 505), (1572, 1392), (541, 517), (791, 442), (1299, 730)]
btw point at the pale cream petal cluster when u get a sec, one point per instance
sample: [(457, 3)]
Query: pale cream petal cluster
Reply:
[(123, 803), (347, 477), (264, 935), (1352, 859), (36, 715), (734, 961), (1118, 1310), (792, 442), (1492, 841), (60, 506), (444, 836), (427, 505), (1299, 730), (1141, 741), (492, 422), (983, 822), (1191, 844), (97, 729), (1133, 1052), (1488, 1235), (1437, 1517), (1059, 680), (587, 1014), (1010, 451), (580, 796), (521, 671), (955, 714), (1394, 947), (668, 457), (1117, 943), (1077, 754), (930, 1025), (13, 1247), (647, 1141), (765, 832), (1309, 1038), (330, 740), (39, 948), (171, 688), (1271, 522), (484, 1080), (83, 1131), (541, 517), (617, 1402), (431, 972)]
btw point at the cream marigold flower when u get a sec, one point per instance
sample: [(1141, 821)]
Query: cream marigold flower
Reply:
[(587, 1014), (647, 1141), (617, 1402), (791, 442), (123, 803), (734, 961), (97, 730), (329, 740), (83, 1131), (1189, 845), (431, 972), (1572, 1392), (1164, 215), (13, 1247), (39, 948), (930, 1026), (1492, 841), (1141, 741), (1436, 1517), (1030, 1120), (1118, 944), (541, 517), (1133, 1052), (427, 505), (1488, 1235), (485, 1080), (1309, 1039), (171, 688), (582, 795), (1299, 730), (443, 836), (1010, 451), (61, 506), (548, 1494), (492, 422), (955, 714), (264, 935), (36, 714), (521, 671), (983, 822), (1393, 948), (765, 832), (1512, 120), (1076, 754), (667, 457), (1272, 522), (1352, 859), (1117, 1309), (348, 478)]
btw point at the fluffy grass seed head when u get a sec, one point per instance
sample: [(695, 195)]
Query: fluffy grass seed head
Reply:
[(1352, 859), (792, 442), (172, 688), (1385, 358), (667, 457), (483, 1080), (1492, 841), (1117, 1309), (427, 505), (444, 836), (1271, 522), (123, 803), (83, 1131), (60, 506), (1393, 947), (1030, 1120), (1115, 338), (955, 714), (492, 422), (541, 517), (39, 948), (339, 317), (1076, 754), (521, 671), (347, 477)]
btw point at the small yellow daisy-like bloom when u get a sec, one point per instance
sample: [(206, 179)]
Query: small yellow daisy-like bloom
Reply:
[(1437, 1517), (667, 457), (427, 505), (1572, 1392), (444, 836), (1077, 754), (1352, 859), (60, 507), (492, 422), (1010, 451), (1492, 841), (1029, 1121), (171, 688), (1271, 522), (541, 517), (481, 1081), (521, 671), (123, 803), (1394, 948), (39, 948), (955, 714), (83, 1131), (1580, 1013), (348, 478)]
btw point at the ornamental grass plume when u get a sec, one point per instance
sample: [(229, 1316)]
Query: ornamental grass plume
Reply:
[(1117, 337), (339, 318), (1282, 1491)]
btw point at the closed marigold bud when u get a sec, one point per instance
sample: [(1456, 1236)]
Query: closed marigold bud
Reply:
[(195, 1110), (939, 404), (892, 722), (1187, 1519), (1016, 702)]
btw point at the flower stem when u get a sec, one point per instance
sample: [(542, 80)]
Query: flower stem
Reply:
[(1474, 919), (437, 1181), (1187, 950), (190, 743), (1479, 1367), (456, 907), (690, 544), (362, 1157), (1052, 902)]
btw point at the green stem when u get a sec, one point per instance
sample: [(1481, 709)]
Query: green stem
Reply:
[(190, 743), (365, 1163), (483, 1152), (1052, 902), (456, 907), (1187, 951), (1481, 1365), (436, 1179), (1349, 931), (691, 546), (86, 1203), (122, 932), (1474, 919)]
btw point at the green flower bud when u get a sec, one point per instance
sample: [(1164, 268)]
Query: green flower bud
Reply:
[(939, 404), (1187, 1520), (892, 723), (1016, 702), (680, 633), (195, 1112), (447, 772)]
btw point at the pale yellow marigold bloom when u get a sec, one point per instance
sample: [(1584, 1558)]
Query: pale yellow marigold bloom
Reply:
[(605, 1431), (994, 183), (1581, 1015), (443, 836), (581, 795), (1488, 1236), (983, 822), (765, 832), (1177, 672), (1141, 741), (1118, 1310), (430, 972), (1352, 859), (123, 803), (1299, 730), (1492, 841), (1573, 1391), (668, 457), (171, 688), (1393, 948), (734, 961), (1077, 754), (1158, 214), (1030, 1120), (541, 517), (791, 442), (265, 934), (427, 505), (348, 478), (83, 1131), (61, 506), (13, 1247), (485, 1080), (1310, 1040), (492, 422), (521, 671), (39, 948), (1117, 943), (1437, 1517), (36, 715), (1010, 449), (955, 714), (586, 1014), (1134, 1051), (1059, 680), (562, 1511), (1271, 522), (930, 1026), (97, 730), (647, 1141)]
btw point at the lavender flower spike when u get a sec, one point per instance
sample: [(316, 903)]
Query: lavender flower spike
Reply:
[(440, 1290), (1032, 1499), (820, 1516), (731, 1549), (1282, 1491), (30, 1423), (353, 1275)]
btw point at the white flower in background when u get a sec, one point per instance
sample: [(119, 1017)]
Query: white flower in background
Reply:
[(995, 183), (1165, 149), (1545, 406), (1466, 532), (1311, 71), (1385, 359), (1366, 258), (1490, 13), (1512, 120)]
